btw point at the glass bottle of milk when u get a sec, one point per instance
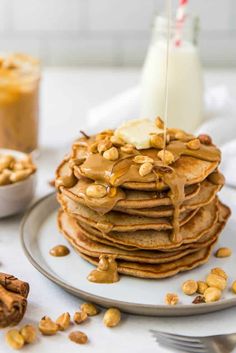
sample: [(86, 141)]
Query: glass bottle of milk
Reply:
[(185, 98)]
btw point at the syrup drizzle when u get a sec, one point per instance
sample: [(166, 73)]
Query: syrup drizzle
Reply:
[(166, 94)]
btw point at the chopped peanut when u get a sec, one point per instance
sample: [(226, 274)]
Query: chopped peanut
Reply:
[(145, 168), (216, 281), (171, 299), (96, 191), (189, 287), (212, 294), (223, 252)]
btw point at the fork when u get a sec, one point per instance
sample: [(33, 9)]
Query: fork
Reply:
[(209, 344)]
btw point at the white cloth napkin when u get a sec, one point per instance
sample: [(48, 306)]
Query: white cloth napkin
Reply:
[(219, 121)]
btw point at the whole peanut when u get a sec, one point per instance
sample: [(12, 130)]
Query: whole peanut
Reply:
[(112, 317)]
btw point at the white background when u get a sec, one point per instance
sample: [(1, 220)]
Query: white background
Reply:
[(107, 32), (80, 87)]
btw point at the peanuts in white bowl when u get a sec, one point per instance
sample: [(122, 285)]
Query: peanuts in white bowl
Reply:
[(16, 190)]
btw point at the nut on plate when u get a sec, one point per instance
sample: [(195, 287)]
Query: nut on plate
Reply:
[(220, 272), (199, 300), (223, 252), (212, 294), (201, 287), (145, 168), (63, 321), (80, 316), (216, 281), (234, 287), (28, 332), (96, 191), (171, 299), (111, 154), (90, 309), (48, 327), (78, 337), (112, 317), (189, 287), (14, 339)]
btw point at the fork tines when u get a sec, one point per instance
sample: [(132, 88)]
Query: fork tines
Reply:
[(179, 342)]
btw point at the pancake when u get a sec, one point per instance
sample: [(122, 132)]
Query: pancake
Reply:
[(195, 165), (124, 198), (192, 231), (70, 229), (158, 271), (151, 208), (205, 195), (115, 221), (131, 199), (203, 241), (195, 171)]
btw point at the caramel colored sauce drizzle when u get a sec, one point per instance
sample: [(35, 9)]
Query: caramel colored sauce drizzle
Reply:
[(106, 271), (116, 173), (59, 251), (176, 184), (123, 170)]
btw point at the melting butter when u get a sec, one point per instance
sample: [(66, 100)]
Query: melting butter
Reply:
[(137, 132)]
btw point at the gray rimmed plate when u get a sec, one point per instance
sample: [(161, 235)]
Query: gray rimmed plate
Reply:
[(39, 233)]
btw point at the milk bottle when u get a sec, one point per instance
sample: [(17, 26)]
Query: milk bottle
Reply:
[(185, 86)]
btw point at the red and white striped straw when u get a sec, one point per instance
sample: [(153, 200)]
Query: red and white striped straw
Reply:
[(180, 19)]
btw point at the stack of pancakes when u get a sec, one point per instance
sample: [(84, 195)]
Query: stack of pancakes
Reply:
[(155, 224)]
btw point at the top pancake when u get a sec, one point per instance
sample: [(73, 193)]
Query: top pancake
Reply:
[(194, 165)]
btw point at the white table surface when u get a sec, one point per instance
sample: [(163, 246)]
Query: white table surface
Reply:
[(67, 94)]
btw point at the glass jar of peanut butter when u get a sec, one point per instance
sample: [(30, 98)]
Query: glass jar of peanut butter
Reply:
[(19, 102)]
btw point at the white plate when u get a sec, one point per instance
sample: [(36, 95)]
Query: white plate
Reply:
[(39, 234)]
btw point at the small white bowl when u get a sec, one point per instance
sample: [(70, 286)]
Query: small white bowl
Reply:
[(14, 198)]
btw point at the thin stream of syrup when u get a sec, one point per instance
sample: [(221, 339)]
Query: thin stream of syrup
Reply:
[(166, 95)]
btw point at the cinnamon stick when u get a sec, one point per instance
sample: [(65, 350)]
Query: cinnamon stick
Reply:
[(13, 302), (12, 307), (13, 284)]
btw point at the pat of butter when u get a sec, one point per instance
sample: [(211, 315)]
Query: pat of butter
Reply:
[(137, 132)]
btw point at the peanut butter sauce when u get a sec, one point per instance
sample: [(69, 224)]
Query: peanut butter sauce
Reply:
[(19, 101), (113, 174), (106, 271), (117, 173), (59, 251), (176, 184), (105, 204)]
